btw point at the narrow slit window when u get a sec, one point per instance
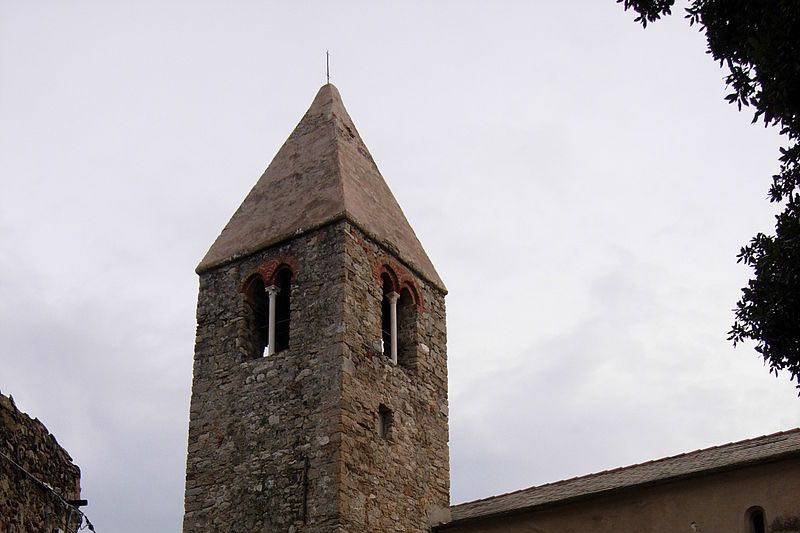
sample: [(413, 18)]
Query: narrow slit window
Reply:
[(386, 315), (406, 330), (283, 281), (257, 323), (385, 422)]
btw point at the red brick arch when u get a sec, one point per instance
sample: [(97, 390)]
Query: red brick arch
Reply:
[(400, 276), (244, 287), (412, 290), (269, 269), (387, 270)]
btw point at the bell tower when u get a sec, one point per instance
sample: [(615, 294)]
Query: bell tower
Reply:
[(319, 399)]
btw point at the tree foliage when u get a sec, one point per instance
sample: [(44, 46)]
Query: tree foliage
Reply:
[(758, 42)]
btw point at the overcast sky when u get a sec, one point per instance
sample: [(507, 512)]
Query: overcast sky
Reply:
[(579, 183)]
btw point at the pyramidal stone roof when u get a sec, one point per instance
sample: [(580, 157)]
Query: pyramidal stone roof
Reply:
[(323, 173)]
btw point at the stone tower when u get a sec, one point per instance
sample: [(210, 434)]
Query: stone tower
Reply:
[(319, 401)]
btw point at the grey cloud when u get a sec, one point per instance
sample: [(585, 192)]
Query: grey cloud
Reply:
[(608, 392), (570, 175)]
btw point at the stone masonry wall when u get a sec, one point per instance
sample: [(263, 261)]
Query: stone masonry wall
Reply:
[(25, 506), (401, 483), (263, 435), (289, 442)]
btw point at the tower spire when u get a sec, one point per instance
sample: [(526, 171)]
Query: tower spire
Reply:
[(328, 66), (323, 173)]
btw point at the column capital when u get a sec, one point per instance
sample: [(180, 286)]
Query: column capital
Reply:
[(393, 296), (272, 289)]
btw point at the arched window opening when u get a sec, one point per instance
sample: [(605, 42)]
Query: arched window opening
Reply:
[(386, 314), (283, 282), (407, 329), (756, 521), (257, 321)]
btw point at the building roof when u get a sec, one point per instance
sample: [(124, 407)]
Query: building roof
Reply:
[(698, 463), (321, 174)]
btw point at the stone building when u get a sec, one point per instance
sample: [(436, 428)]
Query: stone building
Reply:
[(752, 486), (39, 484), (319, 400)]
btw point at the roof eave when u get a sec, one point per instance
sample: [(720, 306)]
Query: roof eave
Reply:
[(207, 266), (616, 490)]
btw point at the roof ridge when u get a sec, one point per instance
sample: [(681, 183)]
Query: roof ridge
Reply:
[(337, 155), (634, 465)]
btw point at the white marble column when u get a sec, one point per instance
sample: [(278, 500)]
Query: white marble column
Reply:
[(272, 292), (393, 297)]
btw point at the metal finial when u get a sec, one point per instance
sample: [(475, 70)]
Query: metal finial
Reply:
[(328, 65)]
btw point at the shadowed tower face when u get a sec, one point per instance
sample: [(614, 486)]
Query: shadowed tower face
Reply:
[(319, 400)]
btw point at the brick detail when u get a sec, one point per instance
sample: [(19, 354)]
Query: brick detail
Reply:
[(402, 278), (269, 268)]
